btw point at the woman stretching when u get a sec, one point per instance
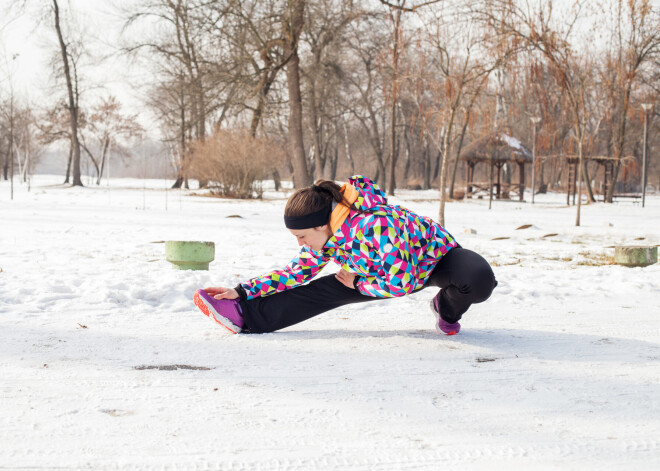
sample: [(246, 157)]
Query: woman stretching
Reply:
[(384, 251)]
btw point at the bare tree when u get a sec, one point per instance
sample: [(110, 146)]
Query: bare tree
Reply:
[(185, 50), (539, 29), (72, 92), (324, 36), (292, 26), (106, 125), (364, 97), (254, 36), (8, 114), (26, 147), (463, 65), (635, 42), (397, 8), (54, 125)]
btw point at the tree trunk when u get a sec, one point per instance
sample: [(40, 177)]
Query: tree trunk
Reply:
[(490, 183), (395, 66), (182, 142), (587, 181), (68, 164), (436, 171), (458, 154), (294, 28), (579, 180), (277, 180), (446, 142), (267, 78), (319, 161), (11, 146), (543, 186), (96, 165), (106, 146), (621, 133), (27, 162), (427, 163), (446, 152), (377, 144), (311, 169), (347, 148), (73, 107), (408, 155), (316, 128), (333, 162), (5, 168)]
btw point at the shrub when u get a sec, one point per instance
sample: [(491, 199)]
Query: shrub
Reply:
[(234, 163)]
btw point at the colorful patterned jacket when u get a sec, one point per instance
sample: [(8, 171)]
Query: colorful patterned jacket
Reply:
[(391, 249)]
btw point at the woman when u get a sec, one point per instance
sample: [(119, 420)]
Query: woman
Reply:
[(384, 251)]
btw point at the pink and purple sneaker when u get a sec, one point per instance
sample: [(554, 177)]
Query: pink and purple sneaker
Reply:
[(441, 325), (225, 312)]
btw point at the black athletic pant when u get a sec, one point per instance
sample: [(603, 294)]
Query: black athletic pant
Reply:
[(465, 278)]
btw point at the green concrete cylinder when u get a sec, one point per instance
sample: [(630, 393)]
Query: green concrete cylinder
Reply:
[(635, 255), (190, 255)]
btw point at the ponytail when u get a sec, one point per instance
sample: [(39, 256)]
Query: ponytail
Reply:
[(316, 199)]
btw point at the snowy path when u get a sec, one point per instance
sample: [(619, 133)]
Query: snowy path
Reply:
[(559, 370)]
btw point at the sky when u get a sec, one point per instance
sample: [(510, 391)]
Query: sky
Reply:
[(28, 43)]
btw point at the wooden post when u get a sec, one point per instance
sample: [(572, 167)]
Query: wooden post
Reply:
[(568, 182), (490, 184), (607, 175), (575, 177), (521, 172), (470, 176)]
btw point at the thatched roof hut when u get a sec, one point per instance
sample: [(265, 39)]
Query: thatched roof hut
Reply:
[(496, 149), (498, 146)]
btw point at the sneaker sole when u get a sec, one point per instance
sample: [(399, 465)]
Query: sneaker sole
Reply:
[(208, 311), (436, 314)]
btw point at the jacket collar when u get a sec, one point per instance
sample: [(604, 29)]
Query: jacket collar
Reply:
[(341, 211)]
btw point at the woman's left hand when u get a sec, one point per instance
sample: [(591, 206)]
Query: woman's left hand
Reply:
[(346, 278)]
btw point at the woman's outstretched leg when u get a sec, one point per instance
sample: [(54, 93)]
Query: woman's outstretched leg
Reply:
[(287, 308)]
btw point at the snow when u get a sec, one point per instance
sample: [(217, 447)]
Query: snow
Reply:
[(560, 369), (514, 143)]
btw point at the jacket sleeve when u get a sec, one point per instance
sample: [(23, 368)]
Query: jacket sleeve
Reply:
[(392, 249), (300, 270)]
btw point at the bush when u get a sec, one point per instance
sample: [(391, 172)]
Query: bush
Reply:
[(234, 163)]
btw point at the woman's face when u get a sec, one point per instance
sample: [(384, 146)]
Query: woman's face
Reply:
[(314, 238)]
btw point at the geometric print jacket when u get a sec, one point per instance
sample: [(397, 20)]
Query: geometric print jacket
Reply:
[(391, 249)]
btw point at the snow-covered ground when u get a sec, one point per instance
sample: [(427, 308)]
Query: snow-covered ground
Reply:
[(560, 369)]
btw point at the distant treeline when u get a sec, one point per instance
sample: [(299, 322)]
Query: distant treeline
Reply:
[(394, 89)]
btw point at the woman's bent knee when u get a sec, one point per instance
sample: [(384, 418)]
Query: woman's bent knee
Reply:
[(484, 284)]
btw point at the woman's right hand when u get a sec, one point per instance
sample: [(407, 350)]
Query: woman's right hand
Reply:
[(222, 293)]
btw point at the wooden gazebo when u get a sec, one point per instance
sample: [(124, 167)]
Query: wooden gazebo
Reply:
[(496, 149)]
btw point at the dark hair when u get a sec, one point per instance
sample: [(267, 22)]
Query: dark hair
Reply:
[(315, 198)]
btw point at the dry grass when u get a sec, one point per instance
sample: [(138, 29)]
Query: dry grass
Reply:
[(235, 163), (582, 259), (596, 259), (496, 263)]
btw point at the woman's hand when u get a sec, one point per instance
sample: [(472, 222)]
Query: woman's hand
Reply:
[(222, 293), (346, 278)]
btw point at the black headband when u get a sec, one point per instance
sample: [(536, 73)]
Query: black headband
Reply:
[(319, 218)]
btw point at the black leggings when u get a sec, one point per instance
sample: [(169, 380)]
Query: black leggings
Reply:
[(464, 277)]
